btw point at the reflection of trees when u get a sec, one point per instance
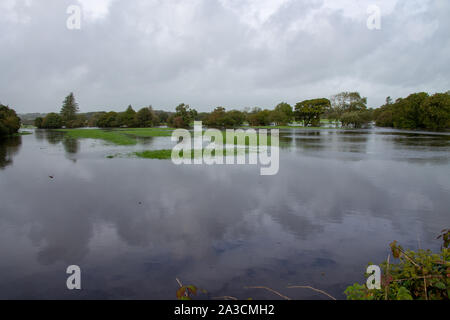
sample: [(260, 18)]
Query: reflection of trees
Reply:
[(312, 140), (422, 141), (8, 148), (421, 148), (71, 145), (53, 137), (352, 141)]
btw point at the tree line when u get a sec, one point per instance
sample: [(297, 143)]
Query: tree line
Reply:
[(349, 109), (417, 111), (68, 117)]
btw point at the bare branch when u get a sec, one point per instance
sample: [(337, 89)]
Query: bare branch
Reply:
[(271, 290), (314, 289)]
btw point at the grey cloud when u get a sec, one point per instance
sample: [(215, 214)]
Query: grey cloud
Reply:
[(208, 53)]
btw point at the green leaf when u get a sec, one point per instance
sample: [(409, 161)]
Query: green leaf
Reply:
[(404, 294), (440, 285)]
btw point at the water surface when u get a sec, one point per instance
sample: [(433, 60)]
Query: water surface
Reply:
[(134, 225)]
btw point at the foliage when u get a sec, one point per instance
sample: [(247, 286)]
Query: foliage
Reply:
[(349, 108), (163, 116), (79, 122), (356, 119), (282, 114), (435, 112), (119, 137), (309, 111), (50, 121), (420, 275), (128, 118), (69, 110), (258, 117), (109, 120), (183, 116), (146, 118), (9, 121), (357, 292), (38, 122), (348, 102), (220, 118), (417, 111)]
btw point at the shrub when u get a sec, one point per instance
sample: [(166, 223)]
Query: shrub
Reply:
[(420, 275), (9, 121)]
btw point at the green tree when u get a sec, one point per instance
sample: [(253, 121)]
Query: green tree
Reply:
[(356, 118), (282, 114), (237, 118), (128, 118), (408, 113), (183, 116), (146, 117), (347, 102), (162, 115), (435, 112), (216, 118), (9, 121), (417, 111), (109, 120), (38, 122), (259, 117), (69, 110), (220, 118), (52, 121), (309, 111)]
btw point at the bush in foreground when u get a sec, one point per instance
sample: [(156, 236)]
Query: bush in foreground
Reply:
[(420, 275)]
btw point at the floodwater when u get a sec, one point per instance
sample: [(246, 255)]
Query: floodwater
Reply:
[(135, 225)]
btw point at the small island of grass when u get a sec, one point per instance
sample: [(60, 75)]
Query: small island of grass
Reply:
[(122, 137)]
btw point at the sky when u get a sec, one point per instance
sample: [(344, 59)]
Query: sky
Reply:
[(209, 53)]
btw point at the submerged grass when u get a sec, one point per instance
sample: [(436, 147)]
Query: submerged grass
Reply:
[(128, 136), (110, 136), (23, 133), (148, 132), (166, 154), (122, 137)]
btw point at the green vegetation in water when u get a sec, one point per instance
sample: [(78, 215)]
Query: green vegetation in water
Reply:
[(128, 136), (23, 133), (148, 132), (115, 137), (120, 136), (420, 275), (166, 154)]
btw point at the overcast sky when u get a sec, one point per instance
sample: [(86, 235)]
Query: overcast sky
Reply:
[(208, 53)]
